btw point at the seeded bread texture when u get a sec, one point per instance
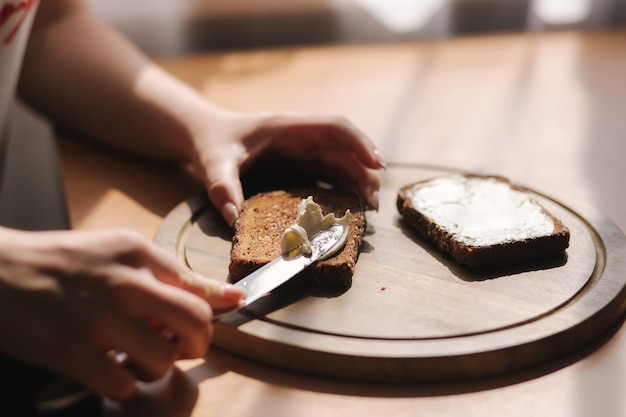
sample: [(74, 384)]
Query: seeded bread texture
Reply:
[(265, 216), (489, 256)]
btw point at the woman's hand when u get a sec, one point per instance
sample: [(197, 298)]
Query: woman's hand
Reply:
[(331, 146), (68, 299)]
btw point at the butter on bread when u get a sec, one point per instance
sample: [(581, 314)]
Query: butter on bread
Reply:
[(265, 217), (482, 221)]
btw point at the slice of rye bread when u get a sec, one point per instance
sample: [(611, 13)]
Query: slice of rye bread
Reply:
[(264, 218), (503, 248)]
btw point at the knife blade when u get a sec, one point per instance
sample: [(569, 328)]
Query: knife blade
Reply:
[(272, 275)]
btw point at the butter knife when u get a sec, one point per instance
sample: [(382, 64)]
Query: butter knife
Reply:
[(272, 275)]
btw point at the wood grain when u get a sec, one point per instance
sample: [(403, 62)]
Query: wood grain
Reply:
[(412, 314), (545, 109)]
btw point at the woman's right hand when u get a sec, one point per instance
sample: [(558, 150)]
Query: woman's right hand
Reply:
[(70, 298)]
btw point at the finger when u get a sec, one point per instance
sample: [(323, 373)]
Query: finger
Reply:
[(227, 196), (184, 314), (351, 175), (167, 269), (344, 132), (328, 131), (220, 295), (150, 353), (188, 317), (107, 378), (224, 187), (338, 168)]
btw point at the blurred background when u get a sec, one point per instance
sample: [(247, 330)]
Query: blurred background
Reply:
[(164, 28), (167, 27)]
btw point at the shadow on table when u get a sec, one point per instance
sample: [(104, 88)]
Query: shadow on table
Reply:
[(219, 362), (477, 274)]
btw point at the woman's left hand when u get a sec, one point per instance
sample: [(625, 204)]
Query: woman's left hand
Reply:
[(328, 145)]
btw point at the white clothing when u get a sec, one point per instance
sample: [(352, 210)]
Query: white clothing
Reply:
[(16, 18)]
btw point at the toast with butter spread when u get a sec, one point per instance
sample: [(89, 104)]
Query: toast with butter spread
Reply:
[(265, 217), (482, 221)]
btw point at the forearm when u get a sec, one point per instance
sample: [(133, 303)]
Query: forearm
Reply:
[(85, 77)]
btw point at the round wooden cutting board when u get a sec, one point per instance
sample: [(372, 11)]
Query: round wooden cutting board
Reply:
[(411, 314)]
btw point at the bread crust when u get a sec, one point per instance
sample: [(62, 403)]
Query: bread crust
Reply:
[(264, 218), (490, 256)]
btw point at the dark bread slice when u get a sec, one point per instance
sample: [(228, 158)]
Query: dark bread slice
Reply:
[(505, 251), (264, 218)]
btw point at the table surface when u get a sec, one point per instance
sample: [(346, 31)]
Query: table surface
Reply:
[(544, 109)]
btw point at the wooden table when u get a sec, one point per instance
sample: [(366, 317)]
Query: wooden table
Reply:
[(546, 110)]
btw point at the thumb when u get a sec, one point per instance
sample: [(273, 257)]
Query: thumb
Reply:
[(219, 295), (225, 191)]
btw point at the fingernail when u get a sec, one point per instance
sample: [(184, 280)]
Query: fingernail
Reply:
[(380, 159), (374, 200), (232, 293), (230, 213)]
